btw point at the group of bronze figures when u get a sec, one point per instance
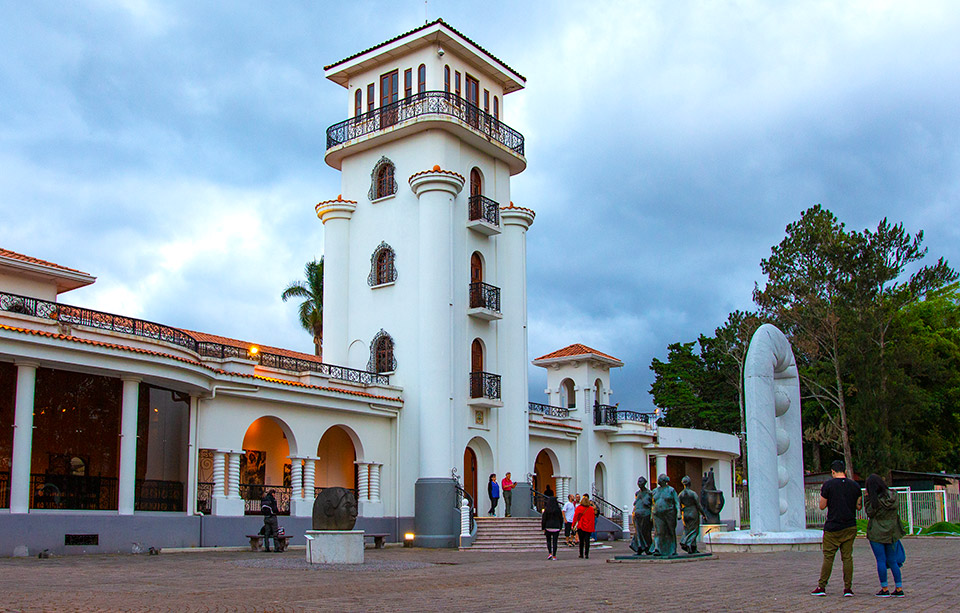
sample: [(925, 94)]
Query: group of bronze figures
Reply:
[(656, 512)]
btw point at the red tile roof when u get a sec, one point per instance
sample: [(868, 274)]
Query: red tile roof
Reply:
[(575, 350), (424, 27), (203, 337), (219, 371), (26, 258)]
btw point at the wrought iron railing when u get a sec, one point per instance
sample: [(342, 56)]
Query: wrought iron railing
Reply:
[(484, 385), (73, 492), (549, 411), (484, 296), (72, 315), (607, 508), (4, 490), (423, 104), (609, 415), (155, 495), (205, 497), (253, 493), (481, 208)]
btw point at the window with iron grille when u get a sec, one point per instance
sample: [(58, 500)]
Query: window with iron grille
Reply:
[(382, 266), (382, 180), (381, 353)]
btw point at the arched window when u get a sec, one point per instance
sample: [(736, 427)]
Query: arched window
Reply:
[(476, 356), (598, 390), (446, 79), (370, 97), (421, 79), (407, 82), (476, 183), (381, 353), (382, 180), (383, 267), (358, 102), (568, 395)]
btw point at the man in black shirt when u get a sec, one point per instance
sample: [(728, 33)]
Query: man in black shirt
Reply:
[(841, 498)]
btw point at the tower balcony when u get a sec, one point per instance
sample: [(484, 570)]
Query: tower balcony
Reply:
[(484, 301), (424, 111), (484, 390), (483, 215)]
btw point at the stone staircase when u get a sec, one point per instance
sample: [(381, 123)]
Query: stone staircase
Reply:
[(509, 534)]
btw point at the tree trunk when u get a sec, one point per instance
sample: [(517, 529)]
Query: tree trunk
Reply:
[(318, 346)]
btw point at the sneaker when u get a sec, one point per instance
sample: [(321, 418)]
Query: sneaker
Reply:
[(883, 593), (819, 591), (847, 593), (898, 593)]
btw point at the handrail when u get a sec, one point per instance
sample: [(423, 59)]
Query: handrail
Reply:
[(461, 494), (79, 316), (548, 410), (484, 385), (610, 415), (484, 296), (426, 103), (483, 208), (607, 508)]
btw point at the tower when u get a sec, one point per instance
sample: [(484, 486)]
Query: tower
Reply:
[(425, 273)]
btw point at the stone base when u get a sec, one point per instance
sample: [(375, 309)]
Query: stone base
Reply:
[(301, 507), (742, 541), (334, 546), (685, 557), (706, 529), (436, 520), (228, 507)]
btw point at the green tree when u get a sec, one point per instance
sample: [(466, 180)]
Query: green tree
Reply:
[(311, 308)]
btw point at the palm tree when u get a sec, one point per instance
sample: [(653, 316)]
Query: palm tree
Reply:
[(311, 309)]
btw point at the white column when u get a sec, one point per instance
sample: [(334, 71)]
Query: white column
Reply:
[(514, 449), (363, 481), (192, 457), (436, 191), (296, 478), (662, 466), (129, 406), (233, 470), (22, 438), (310, 476), (375, 482), (335, 215), (219, 480)]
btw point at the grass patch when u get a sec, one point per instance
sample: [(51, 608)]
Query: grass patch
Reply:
[(941, 528)]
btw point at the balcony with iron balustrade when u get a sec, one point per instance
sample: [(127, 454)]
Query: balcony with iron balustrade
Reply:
[(484, 390), (611, 418), (484, 302), (424, 111), (483, 215)]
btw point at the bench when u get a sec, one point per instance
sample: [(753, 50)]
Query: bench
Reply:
[(280, 542), (377, 538)]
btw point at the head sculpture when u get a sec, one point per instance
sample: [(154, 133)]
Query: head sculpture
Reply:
[(663, 480), (711, 499), (642, 482), (335, 508), (686, 481)]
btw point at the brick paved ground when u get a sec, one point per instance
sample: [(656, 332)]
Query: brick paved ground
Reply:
[(396, 579)]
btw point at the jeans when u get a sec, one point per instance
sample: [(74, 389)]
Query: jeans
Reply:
[(886, 555), (552, 538), (584, 543), (507, 499), (493, 505), (832, 541)]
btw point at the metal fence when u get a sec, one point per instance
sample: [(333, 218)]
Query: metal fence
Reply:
[(918, 508)]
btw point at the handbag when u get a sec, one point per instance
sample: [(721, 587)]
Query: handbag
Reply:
[(900, 554)]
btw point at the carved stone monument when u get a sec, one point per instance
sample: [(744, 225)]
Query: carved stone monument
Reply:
[(711, 499), (333, 539)]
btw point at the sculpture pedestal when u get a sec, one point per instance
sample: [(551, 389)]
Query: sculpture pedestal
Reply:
[(334, 546), (742, 541), (706, 529)]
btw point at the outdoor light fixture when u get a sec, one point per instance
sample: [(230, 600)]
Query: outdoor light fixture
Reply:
[(253, 351), (408, 539)]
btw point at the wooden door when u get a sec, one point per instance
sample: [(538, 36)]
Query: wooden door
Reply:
[(473, 97), (476, 187), (470, 475), (476, 268), (389, 93)]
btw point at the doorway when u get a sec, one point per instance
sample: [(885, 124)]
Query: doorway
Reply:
[(470, 475)]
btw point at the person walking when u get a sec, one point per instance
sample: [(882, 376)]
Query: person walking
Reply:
[(841, 498), (493, 491), (884, 531), (584, 523), (569, 507), (507, 486), (551, 522)]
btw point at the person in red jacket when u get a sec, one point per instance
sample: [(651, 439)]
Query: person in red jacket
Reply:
[(506, 486), (584, 523)]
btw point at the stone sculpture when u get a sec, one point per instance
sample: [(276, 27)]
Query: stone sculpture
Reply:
[(711, 499), (665, 510), (642, 542), (691, 511), (335, 508)]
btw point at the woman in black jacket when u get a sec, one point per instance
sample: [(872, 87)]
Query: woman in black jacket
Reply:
[(551, 522)]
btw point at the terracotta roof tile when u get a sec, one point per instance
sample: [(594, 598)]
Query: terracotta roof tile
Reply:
[(203, 337), (26, 258), (424, 27), (436, 169), (210, 337), (576, 349)]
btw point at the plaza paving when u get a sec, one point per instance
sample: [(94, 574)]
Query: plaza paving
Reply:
[(396, 579)]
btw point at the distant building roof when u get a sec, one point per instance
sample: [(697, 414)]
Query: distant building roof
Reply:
[(576, 351), (203, 337), (65, 278)]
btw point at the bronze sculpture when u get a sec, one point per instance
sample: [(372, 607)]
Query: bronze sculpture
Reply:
[(711, 499), (642, 542), (335, 508), (665, 509), (691, 511)]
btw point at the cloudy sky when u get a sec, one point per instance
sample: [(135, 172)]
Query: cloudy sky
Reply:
[(175, 149)]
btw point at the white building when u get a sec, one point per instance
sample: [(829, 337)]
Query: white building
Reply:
[(116, 430)]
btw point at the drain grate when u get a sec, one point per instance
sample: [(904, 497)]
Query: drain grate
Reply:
[(81, 539)]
